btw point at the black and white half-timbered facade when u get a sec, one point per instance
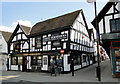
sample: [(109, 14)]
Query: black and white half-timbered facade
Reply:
[(109, 27), (57, 41), (18, 45)]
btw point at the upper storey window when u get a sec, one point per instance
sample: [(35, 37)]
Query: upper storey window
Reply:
[(115, 25), (38, 42)]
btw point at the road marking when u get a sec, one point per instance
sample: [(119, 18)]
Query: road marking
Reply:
[(7, 77)]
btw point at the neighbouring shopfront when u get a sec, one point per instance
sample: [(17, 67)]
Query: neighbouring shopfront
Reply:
[(115, 53)]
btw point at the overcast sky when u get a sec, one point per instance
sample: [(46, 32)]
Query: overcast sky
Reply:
[(29, 13)]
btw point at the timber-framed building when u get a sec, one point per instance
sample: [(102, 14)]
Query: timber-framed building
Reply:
[(108, 21), (56, 40)]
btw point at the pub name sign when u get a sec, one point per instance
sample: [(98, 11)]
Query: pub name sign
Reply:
[(57, 37)]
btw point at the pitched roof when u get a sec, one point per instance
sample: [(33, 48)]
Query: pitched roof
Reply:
[(55, 23), (102, 13), (6, 35), (25, 29)]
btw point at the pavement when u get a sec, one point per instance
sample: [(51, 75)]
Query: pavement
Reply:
[(87, 74)]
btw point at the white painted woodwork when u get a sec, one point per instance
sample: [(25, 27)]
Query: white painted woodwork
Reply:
[(19, 30), (25, 46), (19, 36), (107, 18), (14, 39), (45, 66), (77, 67), (14, 67), (66, 65), (64, 45), (24, 36)]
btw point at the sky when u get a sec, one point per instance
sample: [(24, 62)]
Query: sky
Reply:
[(29, 13)]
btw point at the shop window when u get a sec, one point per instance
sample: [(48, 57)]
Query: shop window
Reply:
[(84, 58), (34, 60), (91, 57), (52, 60), (117, 53), (39, 60), (77, 60), (59, 61), (19, 60), (45, 60), (14, 60)]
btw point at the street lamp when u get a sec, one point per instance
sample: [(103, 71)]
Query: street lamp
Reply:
[(8, 57), (98, 69)]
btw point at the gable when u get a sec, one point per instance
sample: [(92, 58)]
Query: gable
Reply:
[(80, 24), (5, 35), (110, 11), (102, 13), (18, 34)]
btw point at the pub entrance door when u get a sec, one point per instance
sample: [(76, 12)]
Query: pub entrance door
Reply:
[(24, 64)]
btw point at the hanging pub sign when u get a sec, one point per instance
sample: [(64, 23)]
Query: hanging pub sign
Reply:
[(16, 46), (62, 51), (57, 37)]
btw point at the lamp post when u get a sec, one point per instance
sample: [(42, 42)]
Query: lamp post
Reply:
[(98, 69), (8, 62)]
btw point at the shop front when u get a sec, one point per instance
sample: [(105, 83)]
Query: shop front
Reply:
[(115, 53)]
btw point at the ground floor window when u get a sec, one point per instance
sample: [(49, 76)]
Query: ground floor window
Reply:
[(84, 58), (39, 60), (59, 60), (77, 60), (56, 60), (19, 60), (14, 61), (36, 60), (91, 57), (33, 60), (52, 60)]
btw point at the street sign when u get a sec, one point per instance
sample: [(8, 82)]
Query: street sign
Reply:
[(62, 51)]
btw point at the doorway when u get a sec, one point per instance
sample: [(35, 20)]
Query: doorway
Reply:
[(24, 64)]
